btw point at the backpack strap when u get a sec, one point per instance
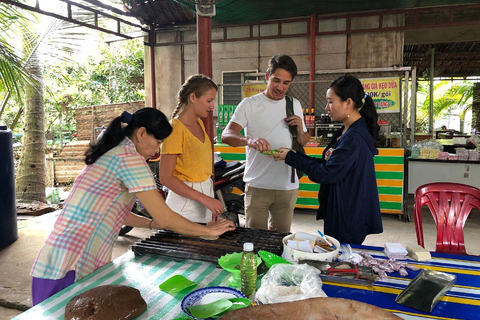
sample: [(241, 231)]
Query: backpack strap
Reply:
[(289, 106), (293, 132)]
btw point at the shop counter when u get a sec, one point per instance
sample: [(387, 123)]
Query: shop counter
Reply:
[(422, 171), (389, 168)]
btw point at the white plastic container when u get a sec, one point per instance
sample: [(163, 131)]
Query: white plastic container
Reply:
[(295, 255)]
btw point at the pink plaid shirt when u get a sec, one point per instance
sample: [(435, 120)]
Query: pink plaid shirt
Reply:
[(99, 202)]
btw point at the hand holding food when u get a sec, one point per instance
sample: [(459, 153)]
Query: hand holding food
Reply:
[(281, 155), (214, 205), (271, 152), (259, 144)]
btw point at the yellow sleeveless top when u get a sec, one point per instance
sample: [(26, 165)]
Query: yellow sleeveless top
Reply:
[(194, 158)]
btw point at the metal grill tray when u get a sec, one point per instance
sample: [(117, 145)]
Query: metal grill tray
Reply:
[(175, 246)]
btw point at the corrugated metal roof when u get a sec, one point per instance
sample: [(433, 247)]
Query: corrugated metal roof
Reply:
[(159, 13), (452, 59)]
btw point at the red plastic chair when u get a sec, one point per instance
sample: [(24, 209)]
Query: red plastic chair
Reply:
[(450, 205)]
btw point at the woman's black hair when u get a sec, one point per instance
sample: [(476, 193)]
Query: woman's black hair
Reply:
[(350, 87), (153, 120)]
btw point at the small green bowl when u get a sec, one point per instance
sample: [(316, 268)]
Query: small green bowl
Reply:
[(270, 258), (176, 284), (231, 263), (237, 303), (206, 311)]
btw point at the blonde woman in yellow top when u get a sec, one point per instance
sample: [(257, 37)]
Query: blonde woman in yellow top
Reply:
[(186, 163)]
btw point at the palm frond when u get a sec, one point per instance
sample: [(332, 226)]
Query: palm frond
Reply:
[(13, 76)]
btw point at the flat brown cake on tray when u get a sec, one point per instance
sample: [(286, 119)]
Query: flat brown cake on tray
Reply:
[(106, 303)]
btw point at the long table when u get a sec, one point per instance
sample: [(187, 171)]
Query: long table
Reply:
[(146, 272)]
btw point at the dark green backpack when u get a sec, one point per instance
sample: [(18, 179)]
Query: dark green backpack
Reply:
[(293, 131)]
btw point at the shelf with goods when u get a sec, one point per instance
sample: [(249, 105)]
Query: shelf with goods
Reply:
[(428, 164), (389, 169), (324, 131), (225, 113)]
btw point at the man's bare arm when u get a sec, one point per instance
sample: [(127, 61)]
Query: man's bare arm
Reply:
[(231, 135)]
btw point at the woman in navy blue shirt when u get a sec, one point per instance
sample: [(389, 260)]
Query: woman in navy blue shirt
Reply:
[(348, 193)]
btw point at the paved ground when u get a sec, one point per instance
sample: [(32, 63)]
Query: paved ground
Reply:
[(16, 259)]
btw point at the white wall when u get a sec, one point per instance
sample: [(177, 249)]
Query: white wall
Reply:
[(366, 50)]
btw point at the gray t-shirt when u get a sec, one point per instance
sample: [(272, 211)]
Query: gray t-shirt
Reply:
[(265, 118)]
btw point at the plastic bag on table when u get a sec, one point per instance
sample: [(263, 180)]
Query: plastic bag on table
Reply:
[(475, 139), (284, 283), (430, 149), (415, 150)]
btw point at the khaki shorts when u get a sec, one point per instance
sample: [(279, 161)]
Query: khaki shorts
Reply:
[(269, 209)]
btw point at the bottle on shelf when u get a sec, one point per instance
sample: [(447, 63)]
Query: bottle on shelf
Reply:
[(312, 117), (326, 119), (306, 117), (231, 111), (248, 267), (220, 120), (330, 133)]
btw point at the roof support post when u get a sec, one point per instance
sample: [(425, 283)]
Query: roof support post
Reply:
[(413, 108), (153, 86), (204, 51), (432, 76), (313, 32)]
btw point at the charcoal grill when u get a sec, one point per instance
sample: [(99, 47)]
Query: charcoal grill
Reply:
[(177, 247)]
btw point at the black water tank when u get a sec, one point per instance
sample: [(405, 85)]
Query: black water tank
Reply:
[(8, 208)]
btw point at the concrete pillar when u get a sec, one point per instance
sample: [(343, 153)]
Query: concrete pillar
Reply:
[(476, 108)]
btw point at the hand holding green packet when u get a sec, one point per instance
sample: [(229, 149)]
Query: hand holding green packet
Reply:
[(271, 152)]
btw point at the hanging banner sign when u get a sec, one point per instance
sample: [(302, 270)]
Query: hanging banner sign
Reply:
[(250, 90), (385, 93)]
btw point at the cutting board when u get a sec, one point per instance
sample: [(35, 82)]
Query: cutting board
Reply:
[(312, 309)]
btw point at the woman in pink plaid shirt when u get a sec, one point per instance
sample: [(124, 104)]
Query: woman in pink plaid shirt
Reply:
[(101, 200)]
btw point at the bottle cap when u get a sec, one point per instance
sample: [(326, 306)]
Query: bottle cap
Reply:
[(248, 246)]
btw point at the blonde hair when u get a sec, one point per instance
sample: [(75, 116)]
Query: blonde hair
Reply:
[(198, 84)]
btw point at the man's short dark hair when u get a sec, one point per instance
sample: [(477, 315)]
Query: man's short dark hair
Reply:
[(282, 61)]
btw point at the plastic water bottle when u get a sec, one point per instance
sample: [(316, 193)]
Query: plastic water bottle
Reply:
[(248, 267)]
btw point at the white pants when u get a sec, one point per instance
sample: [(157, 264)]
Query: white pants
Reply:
[(191, 209)]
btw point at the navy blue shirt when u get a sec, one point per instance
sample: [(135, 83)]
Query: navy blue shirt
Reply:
[(348, 193)]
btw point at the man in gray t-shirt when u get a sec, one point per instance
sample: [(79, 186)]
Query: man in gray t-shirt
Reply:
[(270, 196)]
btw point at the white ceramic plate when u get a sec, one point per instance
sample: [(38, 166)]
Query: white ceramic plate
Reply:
[(208, 295)]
